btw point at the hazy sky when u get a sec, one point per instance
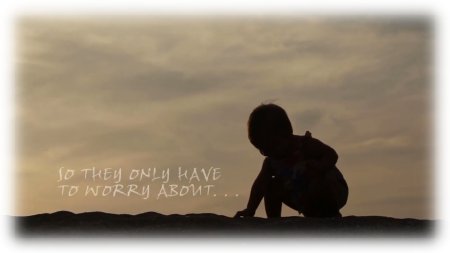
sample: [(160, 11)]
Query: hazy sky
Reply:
[(172, 91)]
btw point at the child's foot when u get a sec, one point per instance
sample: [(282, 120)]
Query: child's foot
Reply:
[(338, 215)]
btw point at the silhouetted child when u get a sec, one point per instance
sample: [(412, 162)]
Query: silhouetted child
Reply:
[(299, 171)]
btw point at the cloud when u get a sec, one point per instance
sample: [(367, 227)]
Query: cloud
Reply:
[(308, 118), (169, 91)]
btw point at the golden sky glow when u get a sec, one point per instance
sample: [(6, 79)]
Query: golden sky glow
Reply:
[(173, 91)]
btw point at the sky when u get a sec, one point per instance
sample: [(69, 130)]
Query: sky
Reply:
[(168, 91)]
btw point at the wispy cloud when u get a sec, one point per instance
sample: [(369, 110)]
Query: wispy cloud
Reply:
[(173, 91)]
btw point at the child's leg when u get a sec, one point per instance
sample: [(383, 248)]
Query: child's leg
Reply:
[(325, 196), (273, 199), (319, 202)]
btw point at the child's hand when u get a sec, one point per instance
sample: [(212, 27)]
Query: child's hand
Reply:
[(244, 213)]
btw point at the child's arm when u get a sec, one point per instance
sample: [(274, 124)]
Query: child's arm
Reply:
[(325, 157), (258, 190)]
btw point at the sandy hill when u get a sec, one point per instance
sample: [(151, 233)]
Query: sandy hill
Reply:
[(150, 224)]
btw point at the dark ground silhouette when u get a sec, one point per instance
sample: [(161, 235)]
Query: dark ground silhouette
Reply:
[(67, 224)]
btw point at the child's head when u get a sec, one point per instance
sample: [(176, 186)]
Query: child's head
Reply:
[(269, 130)]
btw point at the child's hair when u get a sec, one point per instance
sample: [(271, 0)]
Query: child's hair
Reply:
[(268, 120)]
